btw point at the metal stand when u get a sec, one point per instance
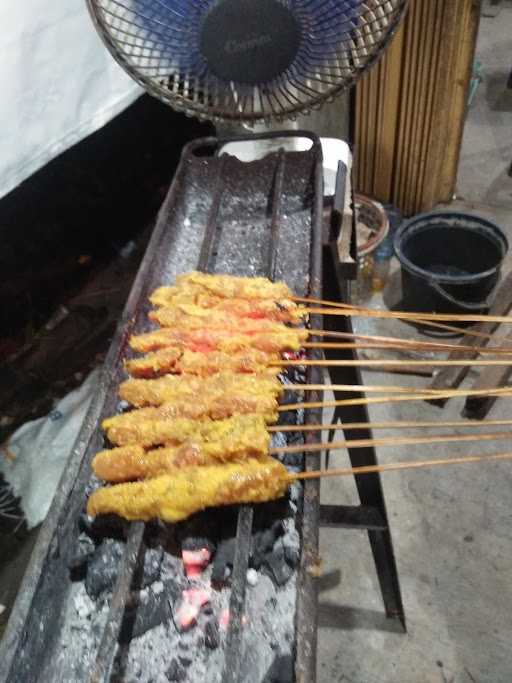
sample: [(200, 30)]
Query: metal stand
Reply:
[(371, 514)]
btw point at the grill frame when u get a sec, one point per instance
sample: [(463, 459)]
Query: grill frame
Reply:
[(24, 637)]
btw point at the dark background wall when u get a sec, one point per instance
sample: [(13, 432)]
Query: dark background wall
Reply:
[(80, 209)]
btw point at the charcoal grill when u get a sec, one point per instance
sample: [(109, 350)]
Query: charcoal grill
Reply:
[(221, 215), (220, 188)]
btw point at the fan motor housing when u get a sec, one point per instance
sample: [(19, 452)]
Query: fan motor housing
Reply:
[(250, 41)]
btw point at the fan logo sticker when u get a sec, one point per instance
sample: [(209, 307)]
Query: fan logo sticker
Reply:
[(234, 47)]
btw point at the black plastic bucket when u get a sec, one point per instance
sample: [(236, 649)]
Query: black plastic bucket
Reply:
[(450, 262)]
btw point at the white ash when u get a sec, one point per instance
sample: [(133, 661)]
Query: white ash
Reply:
[(252, 577), (157, 587)]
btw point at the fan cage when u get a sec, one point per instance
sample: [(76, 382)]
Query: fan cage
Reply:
[(157, 42)]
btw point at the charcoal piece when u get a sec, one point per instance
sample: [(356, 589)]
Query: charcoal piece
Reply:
[(172, 590), (224, 557), (175, 672), (152, 567), (79, 561), (263, 542), (292, 555), (184, 661), (281, 671), (152, 610), (103, 526), (277, 567), (212, 635), (103, 567), (294, 438)]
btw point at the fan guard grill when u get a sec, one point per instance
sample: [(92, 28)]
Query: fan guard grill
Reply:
[(158, 42)]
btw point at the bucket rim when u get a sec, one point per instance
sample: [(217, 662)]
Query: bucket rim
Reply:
[(449, 279)]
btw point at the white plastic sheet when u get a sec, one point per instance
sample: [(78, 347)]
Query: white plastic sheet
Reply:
[(58, 84), (42, 449)]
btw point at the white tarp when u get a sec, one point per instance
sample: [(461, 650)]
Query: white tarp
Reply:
[(41, 449), (58, 83)]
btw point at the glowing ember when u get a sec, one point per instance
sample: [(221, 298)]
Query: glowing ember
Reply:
[(197, 596), (225, 617), (195, 561), (294, 355), (188, 611), (186, 615)]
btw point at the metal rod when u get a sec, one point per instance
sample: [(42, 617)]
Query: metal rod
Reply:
[(233, 652), (108, 646), (212, 221), (277, 192), (234, 647)]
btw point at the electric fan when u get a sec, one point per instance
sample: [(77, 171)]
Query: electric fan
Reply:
[(246, 60)]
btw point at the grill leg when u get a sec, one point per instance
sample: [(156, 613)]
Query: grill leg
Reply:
[(369, 486)]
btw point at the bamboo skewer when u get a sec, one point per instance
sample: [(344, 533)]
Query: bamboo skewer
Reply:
[(407, 342), (440, 326), (393, 399), (389, 441), (399, 424), (397, 346), (402, 315), (383, 388), (389, 362), (390, 467)]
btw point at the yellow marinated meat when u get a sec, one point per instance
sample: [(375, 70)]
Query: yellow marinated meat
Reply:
[(222, 320), (177, 361), (228, 341), (127, 463), (285, 312), (235, 287), (177, 496), (217, 396), (240, 432)]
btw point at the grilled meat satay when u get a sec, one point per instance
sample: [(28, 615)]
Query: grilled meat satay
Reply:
[(174, 497), (242, 432), (274, 309), (127, 463), (202, 319), (227, 341), (218, 396), (232, 287), (258, 309), (177, 361)]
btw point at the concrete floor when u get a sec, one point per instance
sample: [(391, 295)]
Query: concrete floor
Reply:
[(452, 527)]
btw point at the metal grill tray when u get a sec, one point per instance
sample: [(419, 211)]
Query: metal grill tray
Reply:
[(221, 215)]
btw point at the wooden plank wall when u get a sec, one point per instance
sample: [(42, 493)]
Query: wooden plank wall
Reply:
[(410, 108)]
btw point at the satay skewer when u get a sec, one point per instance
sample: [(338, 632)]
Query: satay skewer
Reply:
[(179, 494), (390, 362), (407, 342), (389, 441), (397, 424), (423, 396), (395, 466), (404, 315), (398, 346), (392, 389)]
